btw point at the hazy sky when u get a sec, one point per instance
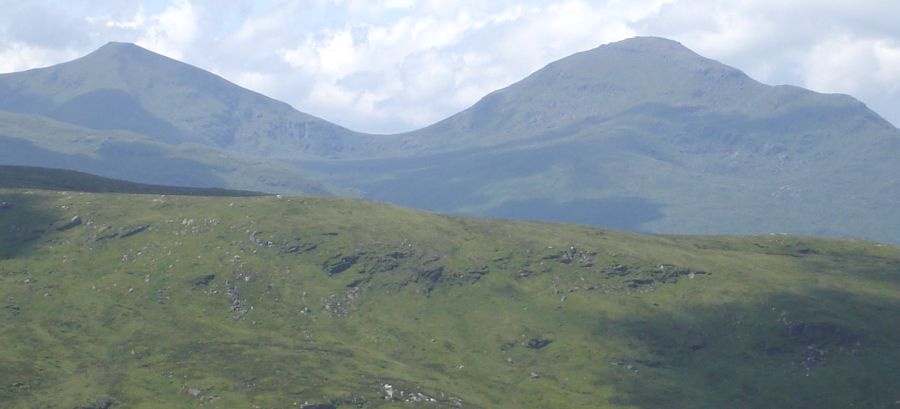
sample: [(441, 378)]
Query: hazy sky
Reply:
[(394, 65)]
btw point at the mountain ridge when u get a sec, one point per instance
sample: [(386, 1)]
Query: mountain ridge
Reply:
[(606, 81), (642, 134), (124, 86)]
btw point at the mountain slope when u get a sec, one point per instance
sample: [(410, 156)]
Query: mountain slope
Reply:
[(641, 134), (67, 180), (642, 75), (334, 303), (125, 87), (646, 135), (31, 140)]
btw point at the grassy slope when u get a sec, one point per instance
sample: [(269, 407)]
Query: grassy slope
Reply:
[(326, 299)]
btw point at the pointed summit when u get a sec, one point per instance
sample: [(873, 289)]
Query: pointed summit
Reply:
[(612, 80), (124, 86), (120, 47)]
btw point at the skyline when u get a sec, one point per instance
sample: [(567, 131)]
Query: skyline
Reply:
[(397, 65)]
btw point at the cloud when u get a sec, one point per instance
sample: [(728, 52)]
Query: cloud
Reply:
[(171, 31), (435, 59), (828, 46), (394, 65)]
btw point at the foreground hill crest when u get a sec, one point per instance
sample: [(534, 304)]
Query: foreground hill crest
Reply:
[(141, 301)]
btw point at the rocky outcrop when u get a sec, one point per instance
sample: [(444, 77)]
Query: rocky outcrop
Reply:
[(202, 281), (102, 403), (75, 221), (338, 264), (131, 231)]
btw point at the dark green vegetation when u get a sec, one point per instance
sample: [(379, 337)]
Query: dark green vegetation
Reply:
[(145, 301), (642, 134), (67, 180)]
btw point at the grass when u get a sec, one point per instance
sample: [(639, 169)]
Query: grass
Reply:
[(272, 302)]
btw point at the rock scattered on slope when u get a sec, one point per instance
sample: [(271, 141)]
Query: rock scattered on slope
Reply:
[(75, 221)]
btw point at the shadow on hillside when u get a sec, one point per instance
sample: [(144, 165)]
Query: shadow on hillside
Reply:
[(824, 349), (24, 220), (135, 161), (625, 213)]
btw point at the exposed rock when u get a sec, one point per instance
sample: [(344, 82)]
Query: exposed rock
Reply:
[(5, 205), (572, 254), (237, 305), (106, 236), (474, 274), (430, 278), (639, 278), (298, 246), (537, 343), (339, 264), (194, 392), (398, 395), (317, 406), (134, 230), (636, 283), (617, 270), (203, 281), (75, 221), (339, 306), (387, 262), (260, 242)]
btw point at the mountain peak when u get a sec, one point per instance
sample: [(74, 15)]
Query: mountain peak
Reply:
[(127, 51), (647, 42), (119, 45)]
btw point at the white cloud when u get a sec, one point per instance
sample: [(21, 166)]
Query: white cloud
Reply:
[(17, 56), (171, 31), (854, 66)]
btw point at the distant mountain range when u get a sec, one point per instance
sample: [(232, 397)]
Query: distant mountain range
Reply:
[(642, 134)]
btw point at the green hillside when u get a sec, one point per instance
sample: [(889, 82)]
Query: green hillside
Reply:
[(145, 301)]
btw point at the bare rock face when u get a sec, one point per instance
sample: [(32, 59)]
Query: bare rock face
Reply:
[(75, 221)]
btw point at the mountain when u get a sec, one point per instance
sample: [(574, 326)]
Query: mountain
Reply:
[(32, 140), (646, 135), (277, 302), (66, 180), (125, 87), (641, 134), (642, 76)]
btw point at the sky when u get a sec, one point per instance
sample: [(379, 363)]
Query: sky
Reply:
[(385, 66)]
